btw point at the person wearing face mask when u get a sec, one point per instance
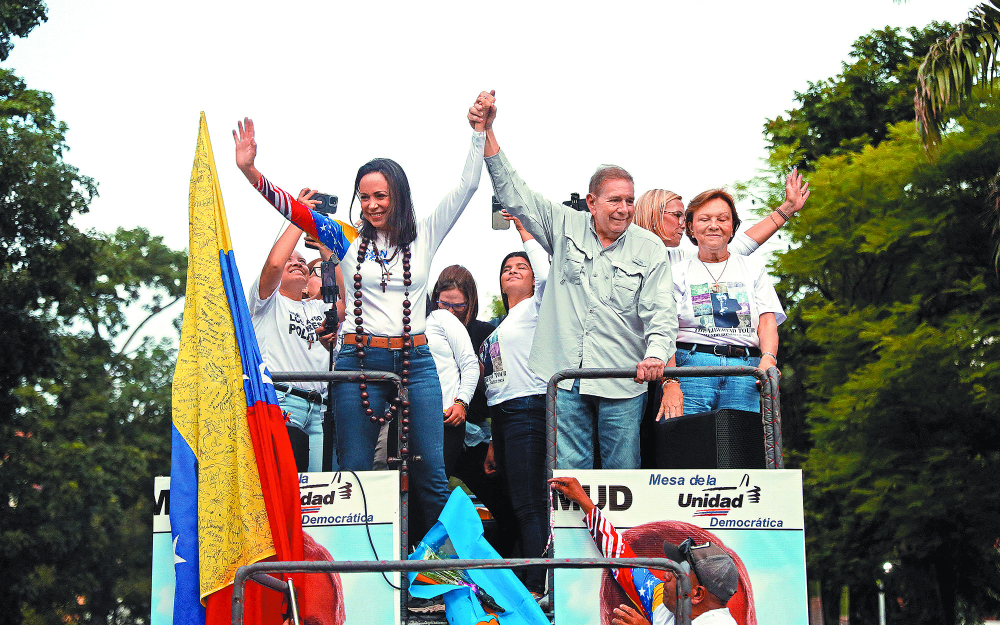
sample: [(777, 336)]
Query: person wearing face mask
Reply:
[(289, 327), (386, 268), (607, 305)]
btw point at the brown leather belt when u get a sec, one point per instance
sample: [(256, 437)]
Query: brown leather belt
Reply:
[(385, 342)]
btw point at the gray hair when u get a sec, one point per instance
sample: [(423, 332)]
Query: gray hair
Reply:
[(605, 173)]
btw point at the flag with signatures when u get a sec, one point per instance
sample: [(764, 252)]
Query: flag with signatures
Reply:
[(234, 487)]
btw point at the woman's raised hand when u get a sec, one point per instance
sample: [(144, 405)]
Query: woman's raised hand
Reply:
[(796, 191), (483, 111), (508, 217), (246, 150)]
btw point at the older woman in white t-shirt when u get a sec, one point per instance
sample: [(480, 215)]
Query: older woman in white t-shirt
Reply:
[(516, 396), (728, 313)]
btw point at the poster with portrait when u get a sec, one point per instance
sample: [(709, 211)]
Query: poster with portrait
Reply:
[(754, 515), (345, 516)]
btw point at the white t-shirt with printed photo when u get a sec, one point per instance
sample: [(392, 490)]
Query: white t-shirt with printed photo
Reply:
[(504, 355), (721, 303)]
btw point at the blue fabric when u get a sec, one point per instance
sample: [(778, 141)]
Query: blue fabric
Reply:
[(519, 450), (308, 417), (703, 394), (617, 423), (460, 523), (188, 609), (357, 435)]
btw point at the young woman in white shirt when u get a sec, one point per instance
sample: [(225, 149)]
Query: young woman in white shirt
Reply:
[(516, 396)]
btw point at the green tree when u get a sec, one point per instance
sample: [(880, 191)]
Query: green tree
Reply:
[(950, 68), (496, 307), (84, 424), (853, 109), (895, 310), (17, 19)]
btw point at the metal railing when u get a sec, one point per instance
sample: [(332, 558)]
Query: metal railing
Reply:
[(770, 414), (770, 407), (404, 458), (258, 573)]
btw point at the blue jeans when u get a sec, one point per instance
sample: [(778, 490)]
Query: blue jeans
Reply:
[(703, 394), (357, 435), (519, 449), (617, 429), (308, 417)]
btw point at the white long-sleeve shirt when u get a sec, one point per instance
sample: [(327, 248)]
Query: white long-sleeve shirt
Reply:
[(383, 310), (456, 363), (505, 354)]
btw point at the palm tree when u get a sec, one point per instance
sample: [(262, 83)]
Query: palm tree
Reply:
[(952, 65)]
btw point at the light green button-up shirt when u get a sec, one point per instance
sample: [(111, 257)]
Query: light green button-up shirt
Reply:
[(603, 307)]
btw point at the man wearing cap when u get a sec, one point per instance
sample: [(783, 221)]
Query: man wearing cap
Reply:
[(714, 577)]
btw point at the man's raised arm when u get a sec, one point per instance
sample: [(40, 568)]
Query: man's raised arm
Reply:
[(536, 213)]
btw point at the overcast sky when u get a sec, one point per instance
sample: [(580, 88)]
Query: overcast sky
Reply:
[(676, 93)]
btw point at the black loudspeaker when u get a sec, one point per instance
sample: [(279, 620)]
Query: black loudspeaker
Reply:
[(300, 447), (720, 439)]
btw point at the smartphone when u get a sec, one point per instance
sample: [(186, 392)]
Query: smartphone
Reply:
[(499, 223), (329, 288), (327, 203)]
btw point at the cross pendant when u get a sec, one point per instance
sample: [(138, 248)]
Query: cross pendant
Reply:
[(383, 285), (310, 343)]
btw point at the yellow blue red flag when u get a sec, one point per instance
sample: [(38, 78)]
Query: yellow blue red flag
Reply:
[(234, 487)]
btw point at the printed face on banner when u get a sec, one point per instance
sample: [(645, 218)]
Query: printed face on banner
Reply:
[(754, 516)]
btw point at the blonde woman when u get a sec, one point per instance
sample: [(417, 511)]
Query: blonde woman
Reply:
[(662, 213)]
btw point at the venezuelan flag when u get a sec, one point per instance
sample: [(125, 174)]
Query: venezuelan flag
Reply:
[(234, 487)]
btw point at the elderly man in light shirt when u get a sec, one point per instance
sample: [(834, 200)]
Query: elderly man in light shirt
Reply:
[(608, 303)]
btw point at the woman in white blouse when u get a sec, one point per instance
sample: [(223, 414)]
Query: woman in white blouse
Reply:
[(516, 396)]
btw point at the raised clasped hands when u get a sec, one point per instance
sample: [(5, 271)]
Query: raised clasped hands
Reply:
[(483, 111)]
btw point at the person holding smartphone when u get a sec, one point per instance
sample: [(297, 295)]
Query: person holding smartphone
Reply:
[(289, 326)]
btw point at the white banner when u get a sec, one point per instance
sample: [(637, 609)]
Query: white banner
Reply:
[(348, 516), (757, 514)]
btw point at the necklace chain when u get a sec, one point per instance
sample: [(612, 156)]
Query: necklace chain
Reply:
[(384, 263), (714, 279)]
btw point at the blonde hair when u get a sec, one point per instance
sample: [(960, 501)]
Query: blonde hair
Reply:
[(649, 207)]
